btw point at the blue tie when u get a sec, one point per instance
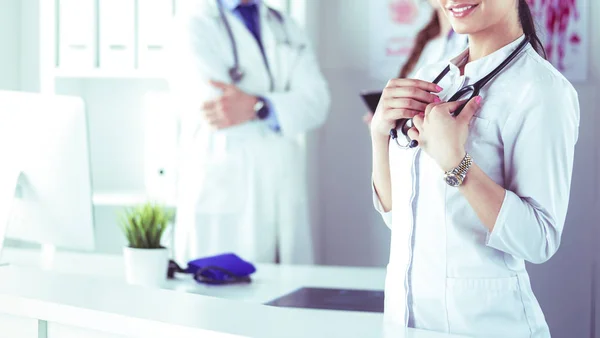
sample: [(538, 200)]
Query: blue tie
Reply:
[(249, 14)]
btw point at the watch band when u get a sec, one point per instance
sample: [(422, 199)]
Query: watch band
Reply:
[(456, 176), (464, 166)]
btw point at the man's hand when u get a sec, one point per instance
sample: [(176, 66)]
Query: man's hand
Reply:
[(232, 108)]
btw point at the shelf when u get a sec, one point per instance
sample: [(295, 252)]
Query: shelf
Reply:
[(125, 199), (107, 74)]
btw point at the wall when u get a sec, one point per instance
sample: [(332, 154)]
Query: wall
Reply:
[(10, 42), (353, 234)]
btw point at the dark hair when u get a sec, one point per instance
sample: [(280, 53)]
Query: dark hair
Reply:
[(528, 25), (428, 33)]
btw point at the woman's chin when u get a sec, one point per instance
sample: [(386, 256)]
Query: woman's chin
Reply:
[(461, 28)]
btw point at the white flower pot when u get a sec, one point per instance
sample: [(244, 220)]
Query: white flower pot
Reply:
[(146, 267)]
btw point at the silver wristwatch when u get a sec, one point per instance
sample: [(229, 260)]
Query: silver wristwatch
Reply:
[(456, 176)]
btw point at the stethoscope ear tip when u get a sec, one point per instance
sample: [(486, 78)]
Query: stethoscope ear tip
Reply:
[(413, 144)]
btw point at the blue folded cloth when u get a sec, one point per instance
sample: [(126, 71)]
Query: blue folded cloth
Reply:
[(220, 268)]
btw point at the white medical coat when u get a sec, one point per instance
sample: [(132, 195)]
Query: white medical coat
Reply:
[(441, 48), (446, 271), (243, 189)]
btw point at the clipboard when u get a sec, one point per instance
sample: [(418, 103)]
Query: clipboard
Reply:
[(371, 99)]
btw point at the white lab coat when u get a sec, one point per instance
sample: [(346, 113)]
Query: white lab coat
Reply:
[(243, 189), (446, 271), (441, 48)]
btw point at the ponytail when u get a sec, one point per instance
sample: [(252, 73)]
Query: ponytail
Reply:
[(428, 33), (528, 25)]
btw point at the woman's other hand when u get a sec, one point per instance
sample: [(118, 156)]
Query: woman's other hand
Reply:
[(402, 98), (367, 118), (442, 136)]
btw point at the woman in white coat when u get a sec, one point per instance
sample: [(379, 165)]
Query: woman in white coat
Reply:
[(484, 191), (434, 43), (242, 185)]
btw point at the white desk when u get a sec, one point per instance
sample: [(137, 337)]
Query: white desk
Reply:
[(85, 296)]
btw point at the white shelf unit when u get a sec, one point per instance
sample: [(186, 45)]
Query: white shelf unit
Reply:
[(111, 38), (107, 74)]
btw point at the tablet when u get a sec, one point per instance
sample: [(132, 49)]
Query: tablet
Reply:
[(371, 99)]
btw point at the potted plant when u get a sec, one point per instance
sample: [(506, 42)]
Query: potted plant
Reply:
[(146, 259)]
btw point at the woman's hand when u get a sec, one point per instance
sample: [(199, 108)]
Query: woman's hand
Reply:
[(402, 98), (367, 118), (442, 136)]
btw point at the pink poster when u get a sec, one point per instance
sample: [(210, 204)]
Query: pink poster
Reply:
[(392, 35), (563, 27)]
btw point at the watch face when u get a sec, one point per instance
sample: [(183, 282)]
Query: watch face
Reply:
[(263, 113), (261, 109), (452, 180), (259, 105)]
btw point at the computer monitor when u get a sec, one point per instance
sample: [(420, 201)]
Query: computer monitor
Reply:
[(44, 145)]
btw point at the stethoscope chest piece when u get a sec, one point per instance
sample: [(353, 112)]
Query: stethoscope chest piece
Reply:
[(236, 74)]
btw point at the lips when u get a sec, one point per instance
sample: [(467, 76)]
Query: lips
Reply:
[(462, 10)]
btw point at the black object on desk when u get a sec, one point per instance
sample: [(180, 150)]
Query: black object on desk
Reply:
[(332, 299)]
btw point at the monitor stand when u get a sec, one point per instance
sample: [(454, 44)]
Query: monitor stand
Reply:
[(10, 191)]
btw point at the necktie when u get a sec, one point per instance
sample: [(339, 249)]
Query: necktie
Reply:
[(250, 17)]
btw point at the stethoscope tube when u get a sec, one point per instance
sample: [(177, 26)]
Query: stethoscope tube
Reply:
[(406, 124), (235, 73)]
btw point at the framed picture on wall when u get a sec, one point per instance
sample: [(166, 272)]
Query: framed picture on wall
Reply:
[(393, 25), (563, 27)]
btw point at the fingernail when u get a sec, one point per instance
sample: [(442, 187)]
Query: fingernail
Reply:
[(437, 100), (478, 100), (439, 89)]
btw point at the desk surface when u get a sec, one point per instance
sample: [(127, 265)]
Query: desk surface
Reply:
[(89, 290), (269, 282)]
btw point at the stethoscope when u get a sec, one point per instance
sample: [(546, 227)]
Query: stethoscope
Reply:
[(405, 124), (236, 73)]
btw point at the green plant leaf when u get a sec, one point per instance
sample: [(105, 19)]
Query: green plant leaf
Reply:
[(144, 225)]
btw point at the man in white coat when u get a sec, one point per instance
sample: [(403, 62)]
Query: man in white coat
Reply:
[(248, 86)]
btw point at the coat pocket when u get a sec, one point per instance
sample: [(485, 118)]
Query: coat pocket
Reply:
[(486, 307)]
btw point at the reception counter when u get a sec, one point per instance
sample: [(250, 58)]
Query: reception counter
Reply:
[(84, 295)]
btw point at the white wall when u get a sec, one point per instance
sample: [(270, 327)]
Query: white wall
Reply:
[(10, 42), (353, 234)]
